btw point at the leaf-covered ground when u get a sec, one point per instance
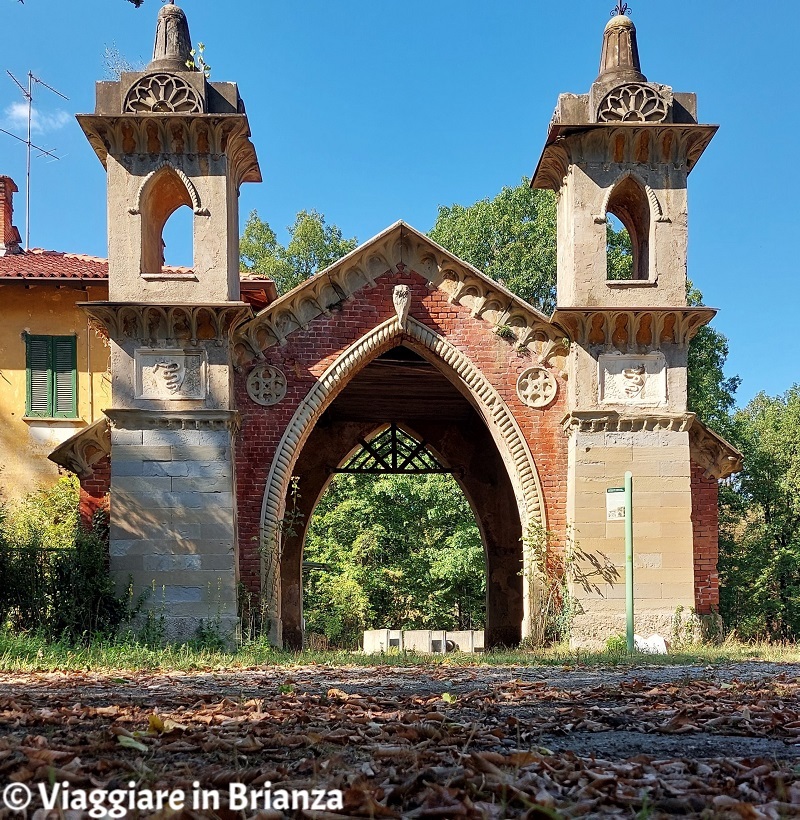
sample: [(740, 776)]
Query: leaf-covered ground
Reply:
[(441, 742)]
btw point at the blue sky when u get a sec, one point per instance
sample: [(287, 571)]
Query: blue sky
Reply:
[(372, 111)]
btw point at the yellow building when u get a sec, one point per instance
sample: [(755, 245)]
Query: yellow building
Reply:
[(54, 367)]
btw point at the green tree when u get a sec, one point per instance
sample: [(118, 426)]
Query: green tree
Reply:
[(313, 246), (512, 238), (398, 550), (760, 522)]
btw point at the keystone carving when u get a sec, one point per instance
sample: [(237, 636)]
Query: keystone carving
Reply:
[(536, 387)]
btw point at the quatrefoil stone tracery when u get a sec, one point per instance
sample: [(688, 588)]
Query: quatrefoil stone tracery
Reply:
[(266, 385), (536, 387), (633, 102), (163, 94)]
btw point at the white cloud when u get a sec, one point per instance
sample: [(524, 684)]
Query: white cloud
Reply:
[(16, 119)]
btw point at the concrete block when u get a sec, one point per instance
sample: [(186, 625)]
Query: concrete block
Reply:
[(182, 452), (647, 560), (176, 594), (214, 438), (139, 453), (382, 640), (209, 469)]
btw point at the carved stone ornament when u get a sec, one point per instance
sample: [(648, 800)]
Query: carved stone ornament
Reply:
[(536, 387), (162, 94), (632, 102), (169, 375), (633, 379), (401, 297), (266, 385), (81, 452)]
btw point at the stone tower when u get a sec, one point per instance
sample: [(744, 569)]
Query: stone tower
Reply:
[(170, 138), (626, 149)]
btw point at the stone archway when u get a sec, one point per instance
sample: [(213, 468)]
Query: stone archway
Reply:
[(502, 429)]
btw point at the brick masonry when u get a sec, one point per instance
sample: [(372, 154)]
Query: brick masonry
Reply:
[(94, 491), (307, 354), (705, 521)]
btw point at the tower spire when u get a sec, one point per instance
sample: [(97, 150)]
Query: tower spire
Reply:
[(173, 44), (619, 61)]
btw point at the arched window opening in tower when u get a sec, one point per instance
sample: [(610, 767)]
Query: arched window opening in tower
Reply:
[(628, 232)]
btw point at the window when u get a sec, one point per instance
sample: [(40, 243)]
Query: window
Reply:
[(52, 377)]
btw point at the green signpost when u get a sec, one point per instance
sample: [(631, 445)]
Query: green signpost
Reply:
[(616, 511)]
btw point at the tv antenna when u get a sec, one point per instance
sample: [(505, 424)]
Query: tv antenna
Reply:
[(27, 93)]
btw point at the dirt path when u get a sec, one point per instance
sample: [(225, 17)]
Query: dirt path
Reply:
[(476, 742)]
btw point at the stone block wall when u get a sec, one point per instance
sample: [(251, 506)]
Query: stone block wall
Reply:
[(663, 533), (705, 520), (173, 533)]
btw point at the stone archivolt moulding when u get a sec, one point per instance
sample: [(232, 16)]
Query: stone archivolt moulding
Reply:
[(632, 330), (266, 385), (81, 452), (537, 387), (181, 324), (130, 136), (399, 249), (656, 211), (498, 417), (163, 93), (636, 144), (170, 374), (197, 206)]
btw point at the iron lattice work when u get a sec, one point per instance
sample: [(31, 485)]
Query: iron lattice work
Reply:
[(393, 451)]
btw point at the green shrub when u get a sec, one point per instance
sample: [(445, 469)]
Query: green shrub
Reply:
[(54, 577)]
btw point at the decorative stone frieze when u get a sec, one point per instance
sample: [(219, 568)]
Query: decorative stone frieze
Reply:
[(163, 94), (81, 452), (613, 422), (537, 387), (171, 375), (187, 324), (126, 419), (396, 250), (633, 102), (266, 385), (710, 451), (660, 145), (632, 330), (637, 380), (130, 135)]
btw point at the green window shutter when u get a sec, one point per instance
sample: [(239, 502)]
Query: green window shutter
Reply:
[(64, 391), (39, 376), (52, 377)]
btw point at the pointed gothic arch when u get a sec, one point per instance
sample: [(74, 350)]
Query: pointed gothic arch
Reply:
[(464, 374)]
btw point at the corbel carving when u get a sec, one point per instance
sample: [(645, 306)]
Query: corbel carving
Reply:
[(81, 452)]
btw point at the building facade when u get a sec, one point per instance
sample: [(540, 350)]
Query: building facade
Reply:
[(225, 425)]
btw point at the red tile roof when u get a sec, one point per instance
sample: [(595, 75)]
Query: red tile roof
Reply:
[(39, 264)]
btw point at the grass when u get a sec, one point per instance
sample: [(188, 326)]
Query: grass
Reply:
[(29, 653)]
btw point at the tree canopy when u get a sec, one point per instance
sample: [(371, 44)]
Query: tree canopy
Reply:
[(313, 246), (760, 522)]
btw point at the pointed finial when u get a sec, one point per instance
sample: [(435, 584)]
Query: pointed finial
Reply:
[(620, 58), (173, 42)]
